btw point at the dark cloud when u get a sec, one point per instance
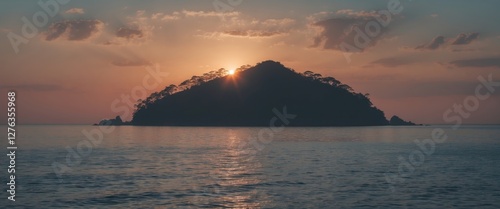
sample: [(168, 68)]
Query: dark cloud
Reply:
[(129, 33), (463, 38), (32, 87), (434, 44), (437, 42), (130, 63), (73, 30), (478, 62), (335, 32), (392, 61)]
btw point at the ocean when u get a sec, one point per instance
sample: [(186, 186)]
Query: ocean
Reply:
[(75, 166)]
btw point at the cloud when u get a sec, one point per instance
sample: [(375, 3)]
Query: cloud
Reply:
[(241, 28), (165, 17), (359, 14), (263, 29), (137, 30), (129, 33), (343, 27), (434, 44), (392, 62), (334, 32), (130, 63), (33, 87), (463, 39), (73, 30), (188, 13), (252, 33), (477, 62), (285, 22), (434, 15), (75, 11), (439, 41)]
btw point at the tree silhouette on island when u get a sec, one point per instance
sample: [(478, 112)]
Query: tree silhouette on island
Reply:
[(248, 97)]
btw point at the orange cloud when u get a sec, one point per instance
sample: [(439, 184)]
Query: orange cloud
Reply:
[(255, 28), (75, 11), (188, 13)]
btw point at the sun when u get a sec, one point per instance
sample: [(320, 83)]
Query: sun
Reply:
[(231, 72)]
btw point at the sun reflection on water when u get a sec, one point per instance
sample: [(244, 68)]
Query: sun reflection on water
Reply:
[(236, 173)]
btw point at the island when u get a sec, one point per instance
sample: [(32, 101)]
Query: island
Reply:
[(251, 96)]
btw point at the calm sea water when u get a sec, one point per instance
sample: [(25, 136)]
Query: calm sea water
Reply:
[(175, 167)]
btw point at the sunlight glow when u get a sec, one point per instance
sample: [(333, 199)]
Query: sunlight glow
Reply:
[(231, 72)]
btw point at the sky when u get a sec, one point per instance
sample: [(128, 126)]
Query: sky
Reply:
[(77, 62)]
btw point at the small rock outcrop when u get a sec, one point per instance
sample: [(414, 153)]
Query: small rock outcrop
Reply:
[(117, 121), (397, 121)]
